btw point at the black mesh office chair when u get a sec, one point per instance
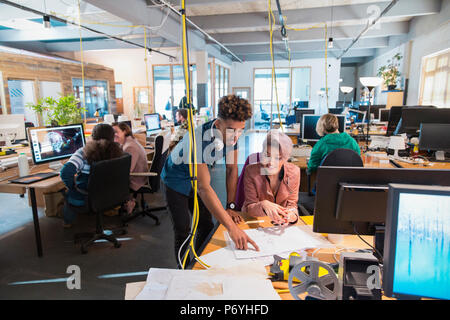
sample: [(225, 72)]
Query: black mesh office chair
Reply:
[(154, 179), (336, 158), (108, 188)]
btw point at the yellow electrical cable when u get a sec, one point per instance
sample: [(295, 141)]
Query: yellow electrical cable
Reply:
[(82, 62), (192, 143), (274, 78)]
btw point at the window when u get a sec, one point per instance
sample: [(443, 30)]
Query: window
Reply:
[(96, 95), (222, 78), (170, 88), (265, 99), (435, 80), (22, 92)]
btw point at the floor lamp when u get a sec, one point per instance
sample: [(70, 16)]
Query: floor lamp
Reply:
[(345, 91), (370, 83)]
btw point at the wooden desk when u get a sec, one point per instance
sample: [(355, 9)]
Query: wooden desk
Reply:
[(433, 165), (217, 241)]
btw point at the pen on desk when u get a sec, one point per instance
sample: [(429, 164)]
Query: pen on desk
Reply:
[(254, 221)]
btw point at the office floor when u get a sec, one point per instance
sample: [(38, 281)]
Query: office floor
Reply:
[(25, 276)]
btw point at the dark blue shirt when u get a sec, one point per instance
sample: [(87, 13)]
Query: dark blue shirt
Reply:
[(175, 173)]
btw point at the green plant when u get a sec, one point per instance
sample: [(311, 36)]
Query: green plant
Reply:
[(64, 111), (390, 72)]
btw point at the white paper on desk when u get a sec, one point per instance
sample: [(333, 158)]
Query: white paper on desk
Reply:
[(277, 240), (158, 281), (205, 287)]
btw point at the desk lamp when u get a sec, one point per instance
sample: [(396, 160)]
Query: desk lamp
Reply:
[(345, 91), (396, 143), (370, 83)]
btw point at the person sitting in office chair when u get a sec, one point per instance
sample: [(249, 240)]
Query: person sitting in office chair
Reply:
[(75, 173), (271, 186), (181, 116), (181, 125), (328, 128), (124, 136)]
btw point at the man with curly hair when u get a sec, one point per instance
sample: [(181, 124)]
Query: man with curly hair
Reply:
[(215, 140)]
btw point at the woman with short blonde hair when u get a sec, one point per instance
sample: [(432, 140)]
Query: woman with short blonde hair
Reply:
[(328, 123)]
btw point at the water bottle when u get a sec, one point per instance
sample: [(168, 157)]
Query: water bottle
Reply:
[(22, 161)]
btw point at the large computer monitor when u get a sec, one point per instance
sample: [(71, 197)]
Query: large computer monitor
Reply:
[(13, 125), (435, 137), (300, 112), (413, 117), (55, 143), (309, 123), (417, 242), (354, 200), (152, 121)]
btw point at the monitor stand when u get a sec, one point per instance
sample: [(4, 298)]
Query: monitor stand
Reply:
[(55, 166)]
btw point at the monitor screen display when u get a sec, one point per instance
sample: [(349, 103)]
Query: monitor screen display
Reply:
[(56, 143), (152, 121), (422, 248), (309, 126), (434, 136)]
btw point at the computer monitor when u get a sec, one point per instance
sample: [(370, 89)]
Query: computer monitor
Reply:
[(413, 117), (417, 243), (336, 110), (353, 200), (301, 104), (55, 143), (435, 137), (360, 116), (13, 125), (309, 126), (300, 112), (383, 115), (152, 121), (374, 109), (395, 114)]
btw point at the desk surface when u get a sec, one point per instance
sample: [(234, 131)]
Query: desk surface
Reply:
[(217, 241)]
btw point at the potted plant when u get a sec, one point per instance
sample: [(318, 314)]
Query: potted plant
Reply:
[(66, 110), (390, 72)]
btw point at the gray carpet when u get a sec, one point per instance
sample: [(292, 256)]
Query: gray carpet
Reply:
[(25, 276)]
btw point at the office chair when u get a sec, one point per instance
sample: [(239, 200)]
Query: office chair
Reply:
[(162, 142), (108, 187), (336, 158)]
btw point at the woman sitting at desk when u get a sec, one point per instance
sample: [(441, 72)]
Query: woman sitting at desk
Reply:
[(328, 128), (101, 147), (271, 186), (124, 136)]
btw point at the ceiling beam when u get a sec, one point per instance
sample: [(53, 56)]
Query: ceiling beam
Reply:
[(359, 14), (381, 42), (307, 55), (344, 32)]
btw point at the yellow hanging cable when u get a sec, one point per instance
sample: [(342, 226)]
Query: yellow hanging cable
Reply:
[(146, 69), (82, 62), (192, 143), (274, 78)]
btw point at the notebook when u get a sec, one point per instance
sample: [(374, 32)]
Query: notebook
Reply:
[(32, 178)]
